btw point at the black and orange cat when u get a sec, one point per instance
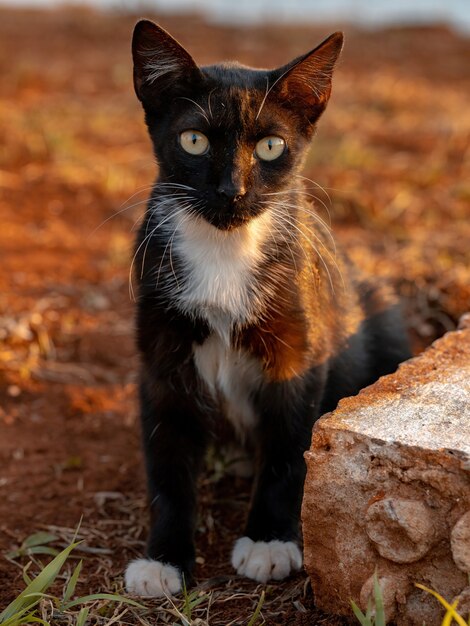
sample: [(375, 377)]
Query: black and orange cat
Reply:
[(246, 312)]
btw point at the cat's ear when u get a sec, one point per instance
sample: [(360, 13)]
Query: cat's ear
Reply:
[(160, 63), (305, 83)]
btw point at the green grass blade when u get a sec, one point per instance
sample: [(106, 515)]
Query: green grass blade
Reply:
[(186, 609), (364, 620), (38, 539), (43, 550), (82, 617), (33, 619), (257, 612), (38, 585), (20, 617), (77, 530), (379, 603), (197, 601), (192, 600), (40, 595), (70, 589), (112, 597), (26, 578)]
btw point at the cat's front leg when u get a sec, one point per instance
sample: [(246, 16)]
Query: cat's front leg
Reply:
[(174, 443), (270, 547)]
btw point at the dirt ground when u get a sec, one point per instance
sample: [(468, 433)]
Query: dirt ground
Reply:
[(390, 164)]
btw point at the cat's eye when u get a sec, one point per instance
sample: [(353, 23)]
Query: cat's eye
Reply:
[(194, 142), (270, 148)]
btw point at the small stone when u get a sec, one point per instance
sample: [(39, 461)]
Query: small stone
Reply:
[(390, 587), (460, 543), (402, 530)]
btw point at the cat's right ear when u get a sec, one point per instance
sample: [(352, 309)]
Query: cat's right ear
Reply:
[(160, 63), (304, 85)]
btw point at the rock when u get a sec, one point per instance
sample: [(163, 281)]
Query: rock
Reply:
[(388, 489), (460, 543)]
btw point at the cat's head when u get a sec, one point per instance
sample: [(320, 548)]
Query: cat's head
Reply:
[(226, 135)]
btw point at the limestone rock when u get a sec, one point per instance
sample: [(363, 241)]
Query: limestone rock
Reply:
[(388, 487)]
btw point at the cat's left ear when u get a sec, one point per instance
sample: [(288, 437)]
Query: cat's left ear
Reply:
[(161, 64), (305, 83)]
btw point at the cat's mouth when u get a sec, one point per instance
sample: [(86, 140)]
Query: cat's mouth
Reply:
[(230, 217), (228, 222)]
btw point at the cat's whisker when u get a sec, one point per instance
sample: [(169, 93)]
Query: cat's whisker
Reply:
[(201, 110), (163, 257), (171, 249), (306, 256), (282, 231), (175, 185), (317, 218), (269, 89), (161, 262), (143, 189), (209, 102), (332, 257), (283, 225), (161, 201), (312, 214), (321, 187), (142, 243), (291, 223), (186, 214), (264, 99), (288, 192), (122, 210), (148, 238), (308, 211), (288, 245)]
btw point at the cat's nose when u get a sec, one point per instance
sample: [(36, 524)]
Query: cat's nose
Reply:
[(231, 191)]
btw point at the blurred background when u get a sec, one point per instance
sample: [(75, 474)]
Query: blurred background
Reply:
[(360, 12), (389, 167)]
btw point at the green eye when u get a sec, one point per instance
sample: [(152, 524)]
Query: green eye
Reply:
[(194, 142), (270, 148)]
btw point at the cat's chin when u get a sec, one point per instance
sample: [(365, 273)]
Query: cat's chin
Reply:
[(228, 224), (231, 227)]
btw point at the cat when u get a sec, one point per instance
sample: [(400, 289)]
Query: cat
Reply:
[(246, 312)]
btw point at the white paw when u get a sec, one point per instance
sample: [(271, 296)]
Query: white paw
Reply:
[(261, 560), (144, 577)]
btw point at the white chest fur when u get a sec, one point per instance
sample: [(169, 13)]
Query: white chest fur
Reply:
[(232, 377), (219, 283), (219, 269)]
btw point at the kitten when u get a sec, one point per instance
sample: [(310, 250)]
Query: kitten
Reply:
[(245, 309)]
